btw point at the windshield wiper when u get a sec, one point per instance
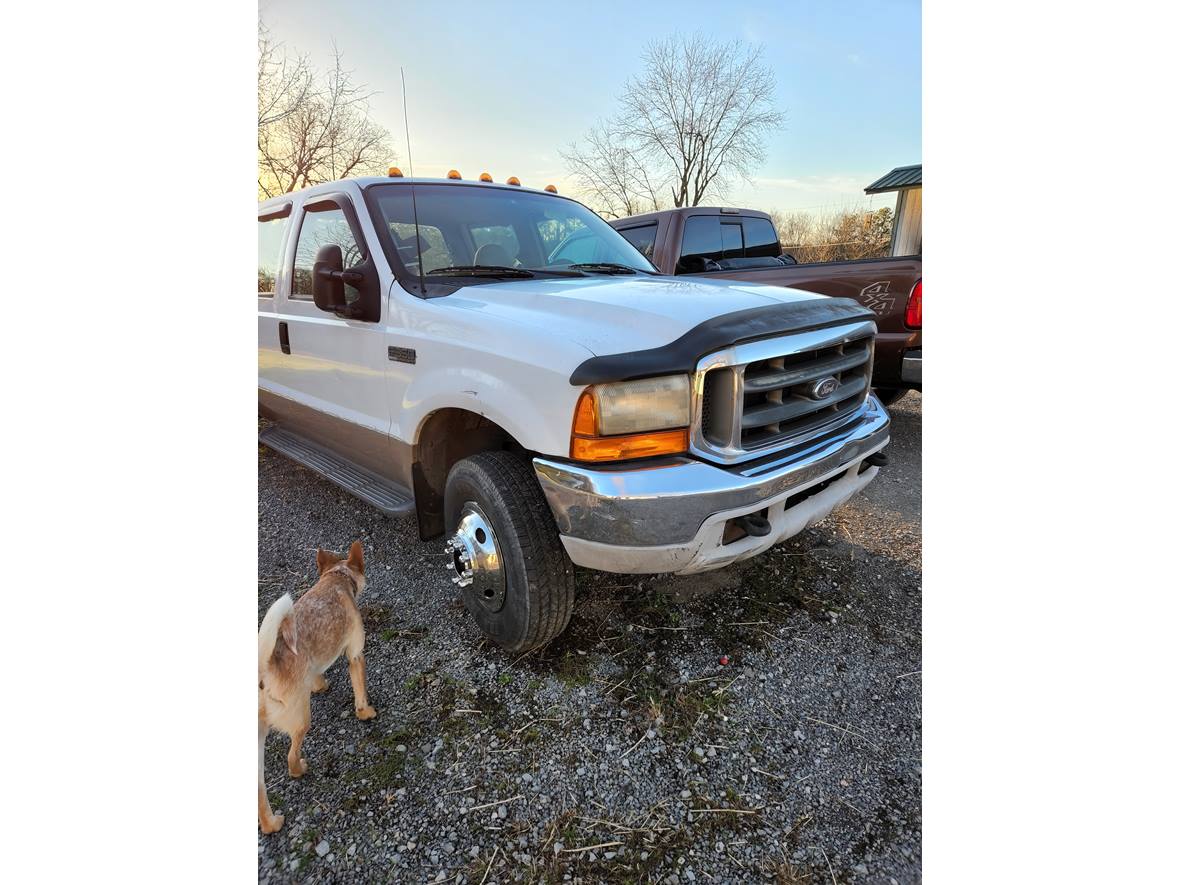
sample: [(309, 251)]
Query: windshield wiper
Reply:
[(604, 267), (482, 270)]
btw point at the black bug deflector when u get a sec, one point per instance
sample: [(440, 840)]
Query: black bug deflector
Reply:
[(681, 356)]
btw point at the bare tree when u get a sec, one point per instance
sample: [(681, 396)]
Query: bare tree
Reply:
[(313, 127), (611, 174), (696, 117), (284, 81)]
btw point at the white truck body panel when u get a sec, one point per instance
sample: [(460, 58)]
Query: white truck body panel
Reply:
[(506, 350)]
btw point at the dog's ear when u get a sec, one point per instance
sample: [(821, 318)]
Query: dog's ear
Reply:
[(288, 633), (325, 559), (356, 557)]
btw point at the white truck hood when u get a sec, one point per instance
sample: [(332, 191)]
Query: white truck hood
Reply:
[(613, 314)]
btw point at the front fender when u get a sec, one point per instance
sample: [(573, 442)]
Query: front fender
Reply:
[(533, 404)]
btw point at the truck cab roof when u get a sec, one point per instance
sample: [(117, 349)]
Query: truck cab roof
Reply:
[(365, 182), (651, 217)]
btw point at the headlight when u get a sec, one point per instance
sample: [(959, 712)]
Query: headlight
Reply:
[(632, 419)]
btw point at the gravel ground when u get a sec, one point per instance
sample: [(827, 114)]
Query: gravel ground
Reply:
[(624, 752)]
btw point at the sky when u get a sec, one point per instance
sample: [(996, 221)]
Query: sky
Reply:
[(503, 87)]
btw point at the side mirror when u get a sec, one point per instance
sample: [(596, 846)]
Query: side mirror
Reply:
[(327, 279)]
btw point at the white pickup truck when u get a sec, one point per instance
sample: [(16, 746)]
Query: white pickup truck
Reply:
[(500, 362)]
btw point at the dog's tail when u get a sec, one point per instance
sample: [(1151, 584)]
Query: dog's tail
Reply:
[(268, 633)]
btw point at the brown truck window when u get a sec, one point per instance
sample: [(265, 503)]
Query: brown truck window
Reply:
[(642, 238), (731, 241), (270, 244), (761, 240), (700, 242)]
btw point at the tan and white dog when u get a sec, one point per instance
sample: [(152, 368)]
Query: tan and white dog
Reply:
[(297, 642)]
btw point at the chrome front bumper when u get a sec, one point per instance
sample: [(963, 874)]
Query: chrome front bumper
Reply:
[(669, 516)]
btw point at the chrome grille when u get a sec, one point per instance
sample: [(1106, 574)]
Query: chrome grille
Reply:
[(754, 397)]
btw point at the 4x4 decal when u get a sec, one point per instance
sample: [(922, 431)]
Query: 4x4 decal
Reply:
[(874, 298)]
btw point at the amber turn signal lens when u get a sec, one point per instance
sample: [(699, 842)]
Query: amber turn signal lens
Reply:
[(586, 415), (635, 445)]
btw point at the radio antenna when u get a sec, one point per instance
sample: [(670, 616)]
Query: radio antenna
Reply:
[(413, 194)]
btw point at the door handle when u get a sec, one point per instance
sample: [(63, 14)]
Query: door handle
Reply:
[(284, 338)]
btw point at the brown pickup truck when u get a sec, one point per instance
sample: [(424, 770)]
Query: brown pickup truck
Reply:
[(742, 244)]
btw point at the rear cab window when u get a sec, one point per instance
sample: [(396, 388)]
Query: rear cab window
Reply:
[(726, 242)]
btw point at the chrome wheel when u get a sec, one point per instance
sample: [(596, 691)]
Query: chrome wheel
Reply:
[(475, 559)]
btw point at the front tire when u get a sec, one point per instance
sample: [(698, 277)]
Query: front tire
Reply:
[(530, 599)]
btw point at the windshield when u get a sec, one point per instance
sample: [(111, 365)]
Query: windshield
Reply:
[(488, 233)]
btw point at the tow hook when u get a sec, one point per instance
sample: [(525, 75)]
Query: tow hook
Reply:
[(878, 459), (755, 524)]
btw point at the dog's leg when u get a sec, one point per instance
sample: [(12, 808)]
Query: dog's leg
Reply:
[(356, 671), (296, 764), (267, 819), (319, 683)]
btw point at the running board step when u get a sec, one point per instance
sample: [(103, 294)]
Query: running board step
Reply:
[(386, 496)]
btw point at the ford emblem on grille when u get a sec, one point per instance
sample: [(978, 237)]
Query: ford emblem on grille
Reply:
[(824, 387)]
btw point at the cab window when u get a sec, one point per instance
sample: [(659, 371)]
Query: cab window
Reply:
[(578, 248), (270, 247), (761, 239), (700, 243), (731, 240), (556, 231), (713, 242), (501, 243), (328, 227), (642, 238), (435, 252)]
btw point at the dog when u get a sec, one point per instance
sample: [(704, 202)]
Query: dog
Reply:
[(297, 642)]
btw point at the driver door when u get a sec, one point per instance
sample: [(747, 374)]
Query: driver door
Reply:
[(328, 383)]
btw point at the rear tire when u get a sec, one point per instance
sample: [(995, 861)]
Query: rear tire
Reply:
[(539, 596), (889, 395)]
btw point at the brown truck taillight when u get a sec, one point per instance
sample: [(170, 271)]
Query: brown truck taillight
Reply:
[(913, 307)]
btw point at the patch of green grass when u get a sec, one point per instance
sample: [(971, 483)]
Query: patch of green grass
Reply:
[(574, 669), (306, 852), (677, 706), (415, 683), (504, 678), (389, 764), (413, 634)]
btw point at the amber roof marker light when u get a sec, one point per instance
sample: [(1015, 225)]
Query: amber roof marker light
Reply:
[(550, 189), (514, 181), (454, 175), (485, 176), (394, 172)]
